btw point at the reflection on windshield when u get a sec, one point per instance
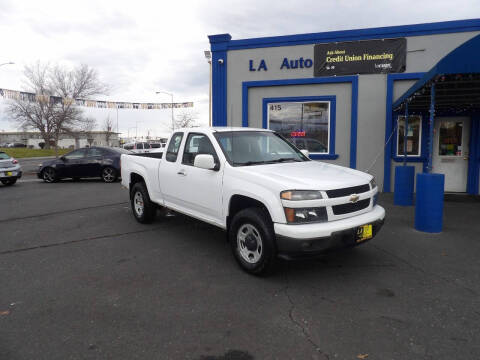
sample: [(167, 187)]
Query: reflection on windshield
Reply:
[(244, 148)]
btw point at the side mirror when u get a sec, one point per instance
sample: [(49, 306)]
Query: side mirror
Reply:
[(63, 158), (306, 153), (204, 161)]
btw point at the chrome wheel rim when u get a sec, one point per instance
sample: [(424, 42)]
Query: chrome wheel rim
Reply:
[(108, 174), (138, 203), (249, 243), (48, 175)]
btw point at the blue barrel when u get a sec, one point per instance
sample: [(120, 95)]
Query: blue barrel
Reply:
[(429, 202), (404, 184)]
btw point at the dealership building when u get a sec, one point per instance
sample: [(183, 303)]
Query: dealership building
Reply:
[(362, 98)]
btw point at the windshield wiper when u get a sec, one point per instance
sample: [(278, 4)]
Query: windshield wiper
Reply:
[(247, 163), (285, 159)]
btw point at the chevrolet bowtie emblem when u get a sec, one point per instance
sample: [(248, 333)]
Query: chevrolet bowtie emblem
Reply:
[(354, 198)]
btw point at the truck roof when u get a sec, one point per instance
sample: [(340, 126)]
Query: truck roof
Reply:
[(221, 129)]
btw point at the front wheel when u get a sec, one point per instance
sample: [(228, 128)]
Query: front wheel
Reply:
[(9, 182), (49, 175), (143, 208), (252, 240), (109, 174)]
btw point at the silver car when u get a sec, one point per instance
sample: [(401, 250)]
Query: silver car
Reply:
[(10, 169)]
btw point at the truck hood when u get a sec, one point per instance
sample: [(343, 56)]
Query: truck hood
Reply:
[(308, 175)]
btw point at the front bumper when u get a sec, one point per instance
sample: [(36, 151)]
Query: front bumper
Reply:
[(314, 239)]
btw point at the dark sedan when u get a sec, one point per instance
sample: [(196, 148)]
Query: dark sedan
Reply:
[(86, 162)]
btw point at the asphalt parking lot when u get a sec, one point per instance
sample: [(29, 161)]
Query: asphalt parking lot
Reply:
[(81, 279)]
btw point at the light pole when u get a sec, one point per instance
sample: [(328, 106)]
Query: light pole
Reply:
[(171, 95), (128, 132), (208, 56)]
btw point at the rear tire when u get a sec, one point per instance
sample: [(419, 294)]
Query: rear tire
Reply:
[(109, 174), (252, 240), (49, 175), (9, 182), (143, 208)]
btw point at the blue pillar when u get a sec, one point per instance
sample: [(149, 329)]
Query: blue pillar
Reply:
[(219, 46), (405, 135), (404, 185), (430, 187), (430, 129), (429, 202), (404, 175)]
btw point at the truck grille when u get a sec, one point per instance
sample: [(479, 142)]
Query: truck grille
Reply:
[(6, 165), (348, 191), (350, 207)]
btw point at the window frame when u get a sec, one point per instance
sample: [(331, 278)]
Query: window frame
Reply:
[(215, 156), (420, 133), (331, 99)]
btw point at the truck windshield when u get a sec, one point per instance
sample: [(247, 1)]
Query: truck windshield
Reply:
[(244, 148)]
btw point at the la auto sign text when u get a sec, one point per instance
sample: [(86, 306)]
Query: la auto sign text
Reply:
[(286, 64)]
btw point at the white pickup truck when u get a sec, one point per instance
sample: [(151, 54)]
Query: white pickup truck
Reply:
[(272, 200)]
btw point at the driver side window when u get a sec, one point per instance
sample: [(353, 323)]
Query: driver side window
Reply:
[(197, 144)]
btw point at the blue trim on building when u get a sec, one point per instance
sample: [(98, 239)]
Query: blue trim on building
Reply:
[(332, 125), (219, 78), (445, 27), (326, 80), (474, 159), (389, 125)]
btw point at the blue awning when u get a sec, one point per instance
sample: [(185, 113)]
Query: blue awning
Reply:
[(465, 59)]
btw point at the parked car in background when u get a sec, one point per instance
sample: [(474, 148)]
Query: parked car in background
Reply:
[(138, 147), (94, 161), (10, 169)]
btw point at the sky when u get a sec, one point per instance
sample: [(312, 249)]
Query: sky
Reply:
[(142, 47)]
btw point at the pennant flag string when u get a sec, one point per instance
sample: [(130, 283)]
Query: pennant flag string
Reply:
[(25, 96)]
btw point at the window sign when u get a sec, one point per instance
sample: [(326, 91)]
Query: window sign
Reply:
[(450, 139), (305, 124), (414, 135)]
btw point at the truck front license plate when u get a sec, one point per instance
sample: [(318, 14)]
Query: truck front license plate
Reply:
[(364, 233)]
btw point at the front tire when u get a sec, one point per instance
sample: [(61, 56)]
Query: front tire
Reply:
[(252, 240), (9, 182), (143, 208), (49, 175), (109, 174)]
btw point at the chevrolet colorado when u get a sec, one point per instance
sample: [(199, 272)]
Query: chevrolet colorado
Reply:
[(272, 200)]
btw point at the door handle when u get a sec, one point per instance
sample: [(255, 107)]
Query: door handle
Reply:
[(182, 172)]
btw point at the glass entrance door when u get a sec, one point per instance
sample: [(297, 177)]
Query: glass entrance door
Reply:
[(451, 151)]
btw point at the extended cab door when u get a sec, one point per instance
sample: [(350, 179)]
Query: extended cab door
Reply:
[(197, 191)]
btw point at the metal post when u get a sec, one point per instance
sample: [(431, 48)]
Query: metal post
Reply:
[(430, 135), (405, 134), (173, 121), (210, 97)]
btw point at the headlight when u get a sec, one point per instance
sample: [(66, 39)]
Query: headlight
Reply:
[(40, 165), (373, 184), (305, 215), (296, 195)]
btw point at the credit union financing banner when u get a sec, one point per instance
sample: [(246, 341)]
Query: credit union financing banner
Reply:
[(360, 57)]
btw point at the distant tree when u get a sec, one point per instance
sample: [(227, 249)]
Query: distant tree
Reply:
[(108, 128), (87, 127), (53, 111), (186, 119)]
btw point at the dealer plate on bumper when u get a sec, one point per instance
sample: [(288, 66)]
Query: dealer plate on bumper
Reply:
[(364, 232)]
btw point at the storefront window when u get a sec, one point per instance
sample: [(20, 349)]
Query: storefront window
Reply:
[(305, 124), (414, 135)]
